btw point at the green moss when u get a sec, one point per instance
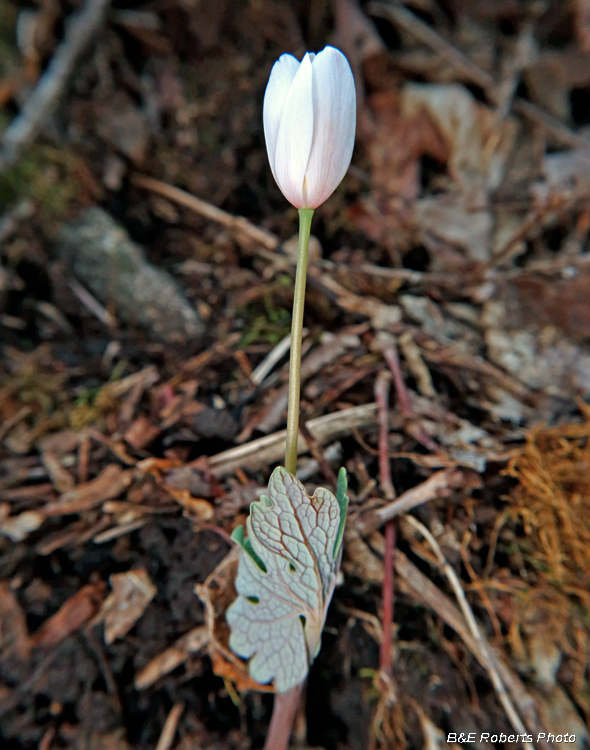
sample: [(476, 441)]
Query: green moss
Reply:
[(271, 326), (48, 176)]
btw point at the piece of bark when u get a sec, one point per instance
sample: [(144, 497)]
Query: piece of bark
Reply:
[(71, 616), (110, 483), (132, 592), (192, 642), (102, 256)]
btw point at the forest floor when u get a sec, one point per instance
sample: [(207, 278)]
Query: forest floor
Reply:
[(146, 279)]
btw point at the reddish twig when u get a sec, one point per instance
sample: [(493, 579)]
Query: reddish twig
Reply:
[(403, 399)]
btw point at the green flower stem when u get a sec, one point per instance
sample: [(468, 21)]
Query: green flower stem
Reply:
[(305, 216)]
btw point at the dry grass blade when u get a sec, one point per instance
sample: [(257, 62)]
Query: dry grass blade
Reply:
[(505, 700), (552, 501)]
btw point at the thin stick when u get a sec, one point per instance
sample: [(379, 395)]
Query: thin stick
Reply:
[(81, 30), (271, 360), (386, 656), (439, 484), (237, 224), (305, 216), (505, 700), (403, 397), (269, 448), (169, 730), (283, 715)]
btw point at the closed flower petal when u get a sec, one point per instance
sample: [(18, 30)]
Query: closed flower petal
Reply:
[(334, 124), (281, 77), (309, 123), (295, 136)]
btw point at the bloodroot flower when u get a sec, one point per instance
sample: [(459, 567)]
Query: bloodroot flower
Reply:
[(309, 123)]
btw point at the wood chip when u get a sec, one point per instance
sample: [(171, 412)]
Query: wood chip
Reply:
[(132, 592), (71, 616), (19, 527), (193, 642), (107, 485), (439, 484), (62, 480), (141, 433)]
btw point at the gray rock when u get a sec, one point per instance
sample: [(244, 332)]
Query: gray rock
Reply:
[(100, 253)]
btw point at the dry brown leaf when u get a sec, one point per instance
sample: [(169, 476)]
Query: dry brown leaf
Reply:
[(71, 616), (195, 507), (396, 141), (358, 38), (193, 642), (123, 125), (132, 592), (217, 593), (478, 147), (563, 303), (107, 485), (553, 75)]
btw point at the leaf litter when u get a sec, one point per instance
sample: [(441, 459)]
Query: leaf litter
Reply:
[(459, 237)]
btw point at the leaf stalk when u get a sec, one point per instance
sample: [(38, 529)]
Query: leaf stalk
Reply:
[(283, 716)]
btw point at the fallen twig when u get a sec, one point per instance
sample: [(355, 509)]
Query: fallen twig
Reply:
[(272, 358), (435, 486), (169, 730), (265, 450), (237, 224), (82, 28), (403, 397)]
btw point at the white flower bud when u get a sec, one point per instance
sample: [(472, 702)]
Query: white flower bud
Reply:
[(309, 124)]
